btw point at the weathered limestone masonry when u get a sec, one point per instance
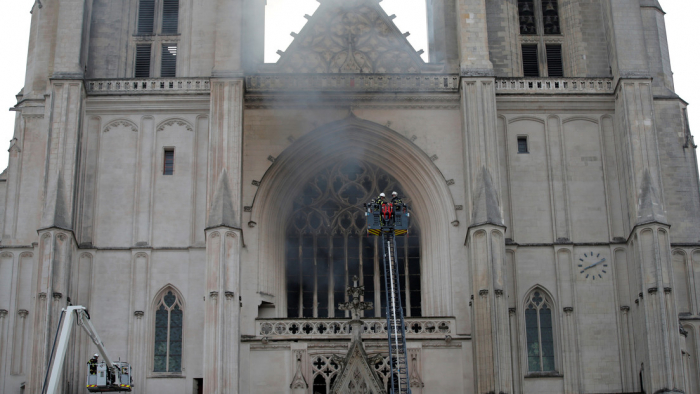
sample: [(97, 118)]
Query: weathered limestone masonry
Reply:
[(223, 231), (486, 234), (657, 347), (56, 277), (211, 219)]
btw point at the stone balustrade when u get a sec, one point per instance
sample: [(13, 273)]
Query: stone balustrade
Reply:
[(554, 86), (353, 82), (267, 83), (416, 327), (148, 86)]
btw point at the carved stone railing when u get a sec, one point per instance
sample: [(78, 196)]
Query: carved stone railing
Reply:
[(353, 82), (147, 86), (554, 86), (416, 327)]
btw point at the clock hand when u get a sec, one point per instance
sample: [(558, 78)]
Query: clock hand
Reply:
[(593, 265)]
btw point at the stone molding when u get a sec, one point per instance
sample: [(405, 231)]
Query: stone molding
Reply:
[(554, 86), (121, 122), (416, 327), (352, 83), (148, 86)]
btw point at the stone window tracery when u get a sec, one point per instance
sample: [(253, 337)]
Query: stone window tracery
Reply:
[(539, 332), (167, 354), (326, 244)]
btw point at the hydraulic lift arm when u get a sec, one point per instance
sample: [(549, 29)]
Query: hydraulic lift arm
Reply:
[(80, 316)]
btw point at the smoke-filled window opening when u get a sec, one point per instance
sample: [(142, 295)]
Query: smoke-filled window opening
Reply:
[(326, 244)]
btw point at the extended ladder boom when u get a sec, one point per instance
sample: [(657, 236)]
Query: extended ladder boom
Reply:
[(80, 316), (396, 328)]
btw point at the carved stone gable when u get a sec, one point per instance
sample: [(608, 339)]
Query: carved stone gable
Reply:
[(349, 36), (357, 376)]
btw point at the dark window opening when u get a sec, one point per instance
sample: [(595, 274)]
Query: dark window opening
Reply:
[(147, 12), (550, 17), (326, 244), (143, 61), (522, 145), (530, 65), (169, 161), (198, 386), (319, 384), (171, 10), (168, 61), (526, 14), (555, 67)]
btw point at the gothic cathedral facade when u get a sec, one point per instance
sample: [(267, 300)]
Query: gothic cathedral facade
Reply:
[(206, 206)]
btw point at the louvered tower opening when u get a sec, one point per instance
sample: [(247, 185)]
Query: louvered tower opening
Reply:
[(530, 66), (147, 13), (555, 67), (168, 61), (171, 10), (143, 61)]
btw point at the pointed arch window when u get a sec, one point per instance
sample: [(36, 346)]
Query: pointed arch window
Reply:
[(326, 244), (167, 354), (539, 332)]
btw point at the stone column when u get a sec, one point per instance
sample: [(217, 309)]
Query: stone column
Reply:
[(486, 233), (486, 239), (52, 286), (56, 238), (69, 40), (140, 272), (223, 233), (145, 180), (657, 47), (473, 38), (228, 41), (657, 342), (650, 239), (222, 315), (4, 327)]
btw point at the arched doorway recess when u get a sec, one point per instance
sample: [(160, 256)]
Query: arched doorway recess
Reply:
[(365, 141)]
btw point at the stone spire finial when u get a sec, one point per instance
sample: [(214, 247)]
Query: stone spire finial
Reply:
[(355, 305), (56, 211), (486, 204), (222, 211)]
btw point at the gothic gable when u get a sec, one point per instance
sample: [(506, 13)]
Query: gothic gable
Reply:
[(349, 36), (357, 375)]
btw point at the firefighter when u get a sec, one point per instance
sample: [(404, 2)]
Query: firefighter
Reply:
[(381, 199), (92, 363), (379, 205), (395, 199)]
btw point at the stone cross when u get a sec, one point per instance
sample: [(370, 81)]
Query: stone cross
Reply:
[(355, 305)]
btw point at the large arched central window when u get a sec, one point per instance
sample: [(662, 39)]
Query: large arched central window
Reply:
[(326, 244)]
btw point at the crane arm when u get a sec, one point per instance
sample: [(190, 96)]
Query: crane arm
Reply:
[(73, 313), (86, 324)]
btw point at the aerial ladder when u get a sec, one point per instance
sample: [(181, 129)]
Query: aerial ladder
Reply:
[(390, 220), (106, 376)]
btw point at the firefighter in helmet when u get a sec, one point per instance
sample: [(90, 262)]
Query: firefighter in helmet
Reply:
[(379, 205), (395, 199), (381, 199), (92, 363)]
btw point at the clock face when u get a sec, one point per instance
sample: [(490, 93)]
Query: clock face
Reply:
[(592, 266)]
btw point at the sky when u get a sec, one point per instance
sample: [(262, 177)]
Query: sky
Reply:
[(286, 16)]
